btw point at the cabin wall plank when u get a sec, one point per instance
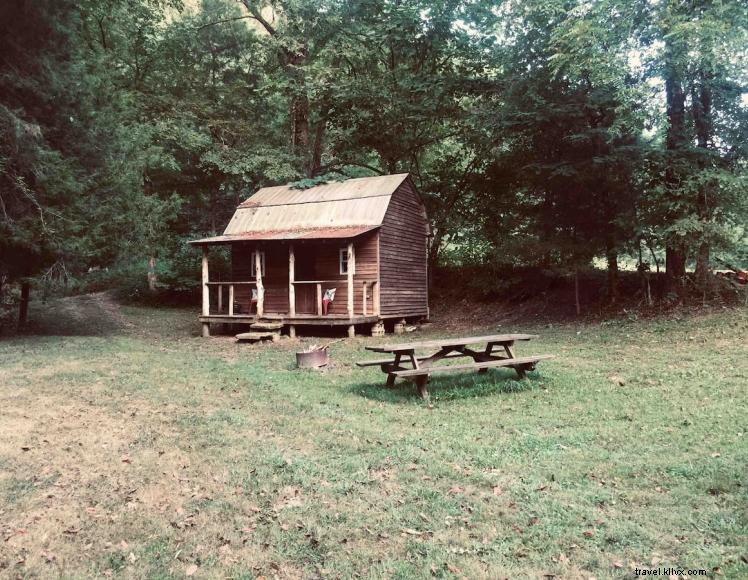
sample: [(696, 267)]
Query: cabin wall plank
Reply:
[(403, 255)]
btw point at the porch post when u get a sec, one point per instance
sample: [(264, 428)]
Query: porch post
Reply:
[(291, 289), (260, 288), (206, 291), (351, 268)]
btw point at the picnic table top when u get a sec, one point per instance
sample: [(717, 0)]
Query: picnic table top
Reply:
[(454, 341)]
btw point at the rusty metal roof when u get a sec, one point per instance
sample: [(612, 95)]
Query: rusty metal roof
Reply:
[(331, 210), (354, 202), (297, 234)]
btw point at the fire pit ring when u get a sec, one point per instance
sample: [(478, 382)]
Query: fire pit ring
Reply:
[(312, 359)]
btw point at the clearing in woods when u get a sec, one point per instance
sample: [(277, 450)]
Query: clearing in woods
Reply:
[(131, 447)]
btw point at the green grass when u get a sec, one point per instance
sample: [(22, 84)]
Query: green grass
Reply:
[(151, 450)]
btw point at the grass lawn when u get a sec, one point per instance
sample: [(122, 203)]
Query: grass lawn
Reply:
[(130, 447)]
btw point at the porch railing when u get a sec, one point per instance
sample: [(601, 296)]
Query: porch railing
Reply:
[(219, 287), (369, 288), (365, 285)]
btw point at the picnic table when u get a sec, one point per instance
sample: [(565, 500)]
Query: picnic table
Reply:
[(407, 365)]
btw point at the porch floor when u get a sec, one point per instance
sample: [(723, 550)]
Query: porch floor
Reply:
[(298, 319)]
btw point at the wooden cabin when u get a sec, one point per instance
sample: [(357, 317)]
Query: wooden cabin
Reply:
[(364, 238)]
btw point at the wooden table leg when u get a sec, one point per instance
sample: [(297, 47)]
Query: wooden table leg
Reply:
[(421, 384), (487, 355), (395, 366), (509, 350)]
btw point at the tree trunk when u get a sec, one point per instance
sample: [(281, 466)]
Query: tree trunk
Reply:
[(300, 124), (612, 257), (703, 272), (152, 278), (675, 265), (319, 140), (576, 292), (23, 306)]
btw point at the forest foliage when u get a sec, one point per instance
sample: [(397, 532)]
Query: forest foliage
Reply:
[(544, 133)]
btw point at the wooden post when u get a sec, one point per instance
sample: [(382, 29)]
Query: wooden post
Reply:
[(260, 288), (206, 292), (375, 297), (231, 299), (351, 268), (319, 299), (351, 331), (291, 280), (291, 331), (220, 298), (365, 297), (206, 289)]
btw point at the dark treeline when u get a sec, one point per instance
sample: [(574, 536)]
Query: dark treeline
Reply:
[(542, 133)]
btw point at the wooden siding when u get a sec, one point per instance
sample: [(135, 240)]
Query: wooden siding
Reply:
[(403, 255), (314, 261), (275, 280)]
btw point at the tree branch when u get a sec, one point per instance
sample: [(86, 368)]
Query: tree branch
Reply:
[(223, 21), (257, 15)]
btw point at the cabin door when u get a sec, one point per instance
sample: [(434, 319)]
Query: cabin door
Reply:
[(306, 294)]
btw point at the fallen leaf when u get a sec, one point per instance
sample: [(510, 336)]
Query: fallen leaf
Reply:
[(497, 490), (126, 459), (412, 532), (452, 568), (715, 454), (589, 533), (191, 569)]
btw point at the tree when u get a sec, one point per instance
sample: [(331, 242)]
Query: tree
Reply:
[(703, 64)]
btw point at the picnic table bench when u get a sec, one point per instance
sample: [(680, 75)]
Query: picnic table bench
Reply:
[(407, 365)]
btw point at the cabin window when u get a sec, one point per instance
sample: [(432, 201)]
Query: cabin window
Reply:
[(344, 261), (252, 264)]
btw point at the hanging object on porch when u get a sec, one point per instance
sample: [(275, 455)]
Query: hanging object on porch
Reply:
[(327, 299)]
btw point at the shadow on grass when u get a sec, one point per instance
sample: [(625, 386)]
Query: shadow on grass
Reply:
[(449, 387), (83, 315)]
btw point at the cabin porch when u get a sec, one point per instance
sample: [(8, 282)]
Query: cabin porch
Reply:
[(285, 283)]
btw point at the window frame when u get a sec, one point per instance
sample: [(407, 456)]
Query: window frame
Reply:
[(343, 261)]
